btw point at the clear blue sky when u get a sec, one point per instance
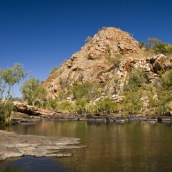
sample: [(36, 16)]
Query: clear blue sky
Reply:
[(40, 34)]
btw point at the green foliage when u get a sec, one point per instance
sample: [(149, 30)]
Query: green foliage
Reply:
[(8, 78), (115, 60), (106, 106), (53, 70), (116, 79), (132, 103), (143, 45), (80, 106), (6, 109), (33, 93), (136, 79), (86, 91), (63, 62), (51, 104), (10, 168), (159, 47), (167, 80), (104, 28), (88, 39), (152, 42), (66, 105), (163, 103)]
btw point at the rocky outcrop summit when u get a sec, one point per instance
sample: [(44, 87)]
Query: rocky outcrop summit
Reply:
[(106, 60)]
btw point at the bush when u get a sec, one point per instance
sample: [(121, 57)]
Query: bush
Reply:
[(80, 106), (135, 80), (53, 70), (132, 103), (66, 105), (51, 104), (106, 106), (86, 91), (88, 39), (167, 80), (6, 109)]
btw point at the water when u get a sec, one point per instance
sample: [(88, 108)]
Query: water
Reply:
[(111, 148)]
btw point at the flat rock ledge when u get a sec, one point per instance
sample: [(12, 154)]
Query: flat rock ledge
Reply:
[(15, 145)]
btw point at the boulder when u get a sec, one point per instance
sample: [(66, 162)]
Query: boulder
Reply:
[(32, 110)]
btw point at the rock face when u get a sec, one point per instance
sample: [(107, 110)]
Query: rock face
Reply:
[(32, 110), (14, 145), (110, 55)]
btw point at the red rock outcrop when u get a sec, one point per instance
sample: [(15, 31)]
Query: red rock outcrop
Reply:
[(111, 53)]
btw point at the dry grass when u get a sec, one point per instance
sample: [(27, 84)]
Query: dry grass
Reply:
[(148, 53)]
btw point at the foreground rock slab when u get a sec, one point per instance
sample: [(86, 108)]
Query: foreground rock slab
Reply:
[(14, 145)]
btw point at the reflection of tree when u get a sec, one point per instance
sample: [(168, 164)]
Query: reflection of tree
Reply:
[(10, 168)]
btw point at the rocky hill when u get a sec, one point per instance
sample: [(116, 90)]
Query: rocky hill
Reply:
[(106, 62)]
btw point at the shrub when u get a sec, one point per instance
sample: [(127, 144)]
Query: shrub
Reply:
[(51, 104), (106, 106), (143, 45), (135, 80), (53, 70), (66, 105), (85, 91), (88, 39), (6, 109), (115, 60), (132, 103), (167, 79), (80, 106)]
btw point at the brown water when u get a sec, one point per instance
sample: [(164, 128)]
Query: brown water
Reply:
[(135, 147)]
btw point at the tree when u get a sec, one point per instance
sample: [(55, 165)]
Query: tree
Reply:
[(159, 47), (152, 42), (8, 78), (33, 93), (86, 91), (143, 45), (53, 70), (88, 39)]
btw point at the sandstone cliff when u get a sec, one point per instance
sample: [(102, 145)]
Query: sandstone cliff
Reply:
[(106, 60)]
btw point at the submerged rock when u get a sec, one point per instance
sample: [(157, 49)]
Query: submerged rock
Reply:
[(15, 145)]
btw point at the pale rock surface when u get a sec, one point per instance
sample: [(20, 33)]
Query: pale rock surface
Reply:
[(15, 145)]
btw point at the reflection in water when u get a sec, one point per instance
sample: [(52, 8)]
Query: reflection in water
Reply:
[(9, 168), (112, 147)]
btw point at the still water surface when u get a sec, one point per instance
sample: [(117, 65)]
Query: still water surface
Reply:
[(133, 147)]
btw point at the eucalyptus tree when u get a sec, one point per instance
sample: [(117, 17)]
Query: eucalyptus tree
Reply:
[(33, 93), (8, 78)]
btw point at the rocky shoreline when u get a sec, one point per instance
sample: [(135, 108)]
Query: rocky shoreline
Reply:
[(21, 118), (32, 115)]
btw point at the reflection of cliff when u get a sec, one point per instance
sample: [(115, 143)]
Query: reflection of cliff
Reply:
[(113, 147)]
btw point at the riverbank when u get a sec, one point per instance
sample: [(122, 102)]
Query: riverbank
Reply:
[(21, 118), (31, 114)]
